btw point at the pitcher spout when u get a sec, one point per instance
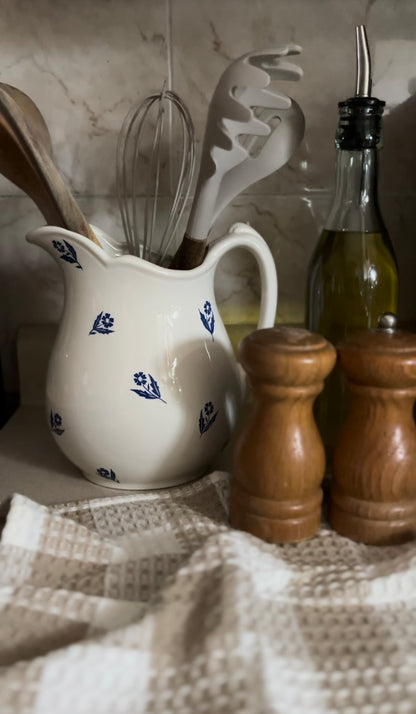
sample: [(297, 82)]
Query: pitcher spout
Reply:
[(66, 247)]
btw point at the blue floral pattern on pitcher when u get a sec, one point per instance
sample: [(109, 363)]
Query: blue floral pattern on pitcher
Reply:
[(56, 423), (207, 417), (207, 318), (67, 252), (102, 324), (148, 387), (108, 474)]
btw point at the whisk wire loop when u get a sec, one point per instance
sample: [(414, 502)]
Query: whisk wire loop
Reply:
[(139, 160)]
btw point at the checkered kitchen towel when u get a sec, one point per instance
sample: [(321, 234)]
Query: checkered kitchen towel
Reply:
[(151, 603)]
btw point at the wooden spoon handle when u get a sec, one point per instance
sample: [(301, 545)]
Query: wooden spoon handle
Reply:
[(56, 201), (15, 164), (190, 254), (34, 117)]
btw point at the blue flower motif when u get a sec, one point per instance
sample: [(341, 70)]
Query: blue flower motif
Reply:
[(149, 388), (102, 324), (107, 473), (209, 408), (107, 320), (140, 379), (207, 417), (207, 318), (56, 423), (67, 251), (59, 246)]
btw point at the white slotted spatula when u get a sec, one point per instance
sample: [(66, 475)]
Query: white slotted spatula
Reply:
[(243, 106)]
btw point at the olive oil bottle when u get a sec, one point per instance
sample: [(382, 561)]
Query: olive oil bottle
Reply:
[(352, 277)]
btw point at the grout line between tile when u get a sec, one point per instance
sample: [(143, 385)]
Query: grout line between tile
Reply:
[(169, 43)]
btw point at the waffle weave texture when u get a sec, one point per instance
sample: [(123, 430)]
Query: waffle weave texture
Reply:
[(150, 603)]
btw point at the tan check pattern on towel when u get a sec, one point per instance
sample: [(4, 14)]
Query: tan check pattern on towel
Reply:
[(151, 603)]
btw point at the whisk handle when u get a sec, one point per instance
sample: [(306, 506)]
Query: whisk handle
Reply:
[(190, 254)]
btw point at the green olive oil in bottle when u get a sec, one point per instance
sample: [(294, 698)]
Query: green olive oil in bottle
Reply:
[(352, 276)]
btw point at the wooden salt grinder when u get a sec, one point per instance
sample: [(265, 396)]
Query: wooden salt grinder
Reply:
[(279, 458), (373, 493)]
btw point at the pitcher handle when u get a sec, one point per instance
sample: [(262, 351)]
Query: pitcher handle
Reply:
[(241, 235)]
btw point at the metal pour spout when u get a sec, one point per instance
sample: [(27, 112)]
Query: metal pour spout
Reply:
[(363, 82)]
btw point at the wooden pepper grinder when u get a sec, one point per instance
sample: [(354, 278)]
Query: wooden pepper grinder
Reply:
[(373, 493), (279, 458)]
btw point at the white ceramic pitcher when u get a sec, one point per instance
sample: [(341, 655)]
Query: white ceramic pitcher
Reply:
[(143, 387)]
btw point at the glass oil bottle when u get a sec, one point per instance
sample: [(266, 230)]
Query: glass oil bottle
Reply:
[(352, 277)]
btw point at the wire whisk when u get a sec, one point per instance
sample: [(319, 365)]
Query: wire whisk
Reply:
[(155, 149)]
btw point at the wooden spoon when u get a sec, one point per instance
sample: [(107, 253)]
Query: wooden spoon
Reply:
[(25, 159), (15, 164), (34, 118)]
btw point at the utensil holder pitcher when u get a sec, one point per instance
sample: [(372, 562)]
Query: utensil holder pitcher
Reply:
[(143, 388)]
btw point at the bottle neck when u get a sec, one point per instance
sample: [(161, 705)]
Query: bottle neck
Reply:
[(355, 204)]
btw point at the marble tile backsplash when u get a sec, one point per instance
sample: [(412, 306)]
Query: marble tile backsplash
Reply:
[(86, 64)]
